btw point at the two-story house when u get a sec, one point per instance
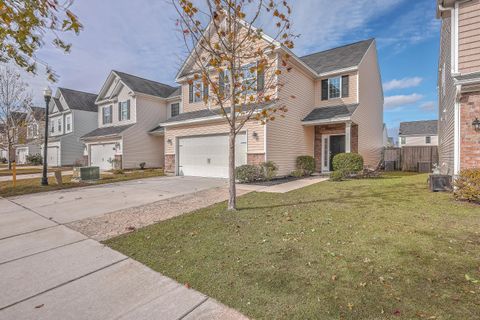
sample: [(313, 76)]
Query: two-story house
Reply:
[(72, 114), (335, 104), (29, 136), (129, 111), (418, 133), (459, 85)]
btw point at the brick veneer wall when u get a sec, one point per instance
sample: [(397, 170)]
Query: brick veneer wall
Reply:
[(170, 163), (255, 158), (333, 129), (469, 138)]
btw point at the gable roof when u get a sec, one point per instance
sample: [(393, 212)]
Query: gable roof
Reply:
[(343, 57), (146, 86), (176, 93), (38, 113), (58, 104), (332, 112), (106, 131), (428, 127), (79, 100)]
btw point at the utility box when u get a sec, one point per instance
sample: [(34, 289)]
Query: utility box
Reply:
[(86, 173), (439, 182)]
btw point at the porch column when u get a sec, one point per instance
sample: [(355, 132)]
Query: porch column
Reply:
[(348, 136)]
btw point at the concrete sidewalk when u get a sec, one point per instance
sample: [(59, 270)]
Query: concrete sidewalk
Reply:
[(48, 271), (284, 187)]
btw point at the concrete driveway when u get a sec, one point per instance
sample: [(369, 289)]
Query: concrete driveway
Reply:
[(70, 205), (49, 271)]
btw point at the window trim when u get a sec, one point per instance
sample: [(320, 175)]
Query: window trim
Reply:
[(339, 87), (198, 98), (110, 107), (254, 78), (428, 140), (68, 126), (403, 140), (59, 125), (177, 104), (122, 105)]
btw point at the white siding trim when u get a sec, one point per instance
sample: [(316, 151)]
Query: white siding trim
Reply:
[(455, 36), (456, 143)]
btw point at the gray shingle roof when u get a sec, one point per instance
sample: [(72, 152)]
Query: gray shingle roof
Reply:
[(107, 131), (324, 113), (176, 93), (429, 127), (57, 103), (157, 129), (38, 113), (205, 113), (79, 100), (146, 86), (338, 58)]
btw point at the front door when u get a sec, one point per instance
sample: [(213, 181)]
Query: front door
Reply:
[(337, 145)]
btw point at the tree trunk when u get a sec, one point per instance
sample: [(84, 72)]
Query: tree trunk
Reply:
[(232, 200)]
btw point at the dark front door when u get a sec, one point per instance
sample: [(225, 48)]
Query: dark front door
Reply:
[(337, 145)]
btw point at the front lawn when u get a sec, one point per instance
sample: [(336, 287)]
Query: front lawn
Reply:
[(25, 186), (365, 249), (20, 171)]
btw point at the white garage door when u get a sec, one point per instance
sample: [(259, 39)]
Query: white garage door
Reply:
[(207, 156), (22, 154), (101, 155), (53, 156)]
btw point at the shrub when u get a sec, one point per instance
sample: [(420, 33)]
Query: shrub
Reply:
[(247, 173), (297, 173), (337, 175), (348, 163), (142, 165), (35, 159), (118, 171), (268, 170), (467, 185), (305, 165)]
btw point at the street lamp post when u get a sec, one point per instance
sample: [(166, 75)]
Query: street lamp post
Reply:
[(47, 94)]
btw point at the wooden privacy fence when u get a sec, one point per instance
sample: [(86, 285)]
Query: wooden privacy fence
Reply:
[(411, 158)]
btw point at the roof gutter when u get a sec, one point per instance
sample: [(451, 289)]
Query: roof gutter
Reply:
[(326, 121)]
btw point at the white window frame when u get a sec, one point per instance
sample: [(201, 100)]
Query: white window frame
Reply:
[(68, 123), (226, 82), (124, 104), (403, 140), (171, 109), (339, 89), (59, 125), (52, 127), (252, 77), (103, 114), (197, 85)]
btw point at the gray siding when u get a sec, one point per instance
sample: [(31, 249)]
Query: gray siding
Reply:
[(138, 145), (71, 146), (446, 94)]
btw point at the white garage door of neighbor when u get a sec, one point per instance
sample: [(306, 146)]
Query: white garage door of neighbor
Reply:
[(101, 155), (22, 154), (53, 156), (207, 156)]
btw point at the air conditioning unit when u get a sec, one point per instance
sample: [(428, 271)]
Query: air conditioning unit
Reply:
[(440, 182)]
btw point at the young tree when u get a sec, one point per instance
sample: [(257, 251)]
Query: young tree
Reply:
[(14, 104), (235, 68), (25, 24)]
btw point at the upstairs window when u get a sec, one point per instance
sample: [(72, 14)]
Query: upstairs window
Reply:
[(124, 110), (68, 123), (52, 127), (249, 79), (428, 140), (174, 109), (59, 125), (224, 80), (197, 91), (107, 114), (336, 87), (403, 140)]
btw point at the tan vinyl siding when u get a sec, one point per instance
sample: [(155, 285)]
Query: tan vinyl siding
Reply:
[(287, 138), (446, 94), (138, 145), (352, 94), (254, 145), (469, 36), (369, 115), (419, 141)]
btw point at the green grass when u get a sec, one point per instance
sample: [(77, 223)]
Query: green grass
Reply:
[(366, 249), (26, 186), (20, 171)]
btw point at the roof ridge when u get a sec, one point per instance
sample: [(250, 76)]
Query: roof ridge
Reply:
[(342, 46), (68, 89), (132, 75)]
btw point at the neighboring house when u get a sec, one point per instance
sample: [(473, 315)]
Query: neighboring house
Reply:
[(335, 104), (129, 111), (387, 141), (3, 143), (29, 136), (459, 85), (418, 133), (72, 114)]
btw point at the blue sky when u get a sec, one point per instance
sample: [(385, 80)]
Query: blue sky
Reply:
[(139, 37)]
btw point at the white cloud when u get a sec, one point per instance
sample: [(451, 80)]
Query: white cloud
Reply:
[(428, 106), (402, 83), (401, 100)]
